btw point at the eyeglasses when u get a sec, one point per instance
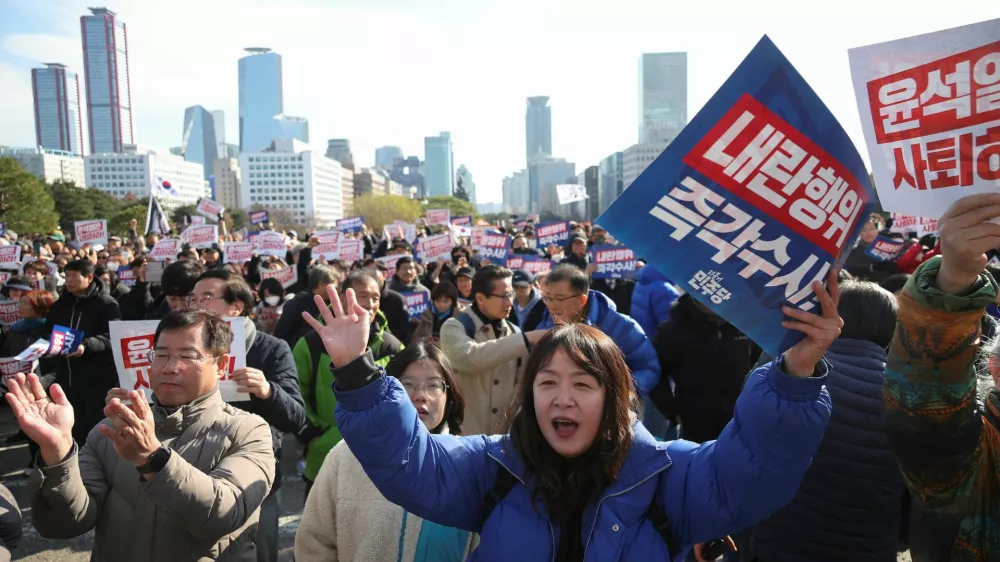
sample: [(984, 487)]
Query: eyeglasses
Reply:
[(434, 389), (505, 296), (548, 298), (184, 358), (203, 299)]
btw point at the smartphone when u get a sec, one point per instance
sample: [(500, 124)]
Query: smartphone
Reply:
[(714, 549), (38, 247), (154, 271)]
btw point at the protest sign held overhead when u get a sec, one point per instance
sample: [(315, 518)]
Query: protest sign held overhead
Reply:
[(612, 262), (390, 265), (884, 248), (351, 250), (464, 220), (271, 243), (201, 236), (238, 252), (126, 276), (531, 264), (91, 232), (758, 196), (552, 233), (352, 224), (433, 247), (328, 251), (196, 220), (10, 256), (908, 223), (287, 276), (494, 247), (210, 209), (570, 193), (258, 217), (166, 249), (132, 344), (9, 312), (930, 112), (438, 216)]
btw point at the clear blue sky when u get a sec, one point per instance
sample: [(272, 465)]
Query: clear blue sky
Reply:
[(389, 72)]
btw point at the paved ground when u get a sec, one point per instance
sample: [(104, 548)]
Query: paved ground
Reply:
[(14, 457)]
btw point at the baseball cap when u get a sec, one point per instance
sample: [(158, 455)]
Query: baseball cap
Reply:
[(57, 236), (579, 237), (523, 278), (466, 272)]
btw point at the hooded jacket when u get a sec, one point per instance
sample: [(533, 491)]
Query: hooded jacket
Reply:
[(90, 313), (848, 505), (706, 491), (628, 335), (533, 313), (652, 298)]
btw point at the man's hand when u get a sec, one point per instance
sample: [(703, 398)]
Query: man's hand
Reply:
[(78, 352), (253, 381), (966, 236), (119, 393), (132, 223), (134, 433), (820, 331), (46, 421)]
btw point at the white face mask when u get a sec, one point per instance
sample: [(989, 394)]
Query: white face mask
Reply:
[(272, 301), (112, 266)]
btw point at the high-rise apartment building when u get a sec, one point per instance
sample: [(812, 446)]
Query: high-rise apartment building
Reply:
[(515, 193), (49, 165), (291, 177), (106, 73), (590, 178), (227, 182), (464, 176), (198, 143), (135, 171), (340, 150), (609, 180), (385, 156), (439, 165), (58, 123), (662, 96), (538, 128)]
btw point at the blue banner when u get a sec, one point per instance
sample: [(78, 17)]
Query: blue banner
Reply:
[(552, 233), (494, 247), (126, 276), (762, 193), (416, 304), (464, 220), (612, 262), (64, 340), (258, 217), (352, 224), (885, 248)]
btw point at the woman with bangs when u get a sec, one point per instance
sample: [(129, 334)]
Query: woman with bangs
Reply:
[(577, 477)]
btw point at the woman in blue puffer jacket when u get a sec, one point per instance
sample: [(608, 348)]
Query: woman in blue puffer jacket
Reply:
[(589, 483)]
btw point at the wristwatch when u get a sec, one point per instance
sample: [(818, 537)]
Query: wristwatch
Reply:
[(155, 461)]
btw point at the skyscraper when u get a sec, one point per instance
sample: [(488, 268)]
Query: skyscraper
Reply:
[(109, 96), (538, 127), (219, 119), (340, 150), (464, 176), (439, 165), (198, 143), (385, 156), (662, 96), (261, 98), (57, 109)]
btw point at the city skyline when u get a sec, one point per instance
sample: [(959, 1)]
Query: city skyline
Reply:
[(176, 61)]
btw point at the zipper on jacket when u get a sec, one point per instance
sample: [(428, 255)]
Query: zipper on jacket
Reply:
[(597, 511), (552, 533), (72, 314)]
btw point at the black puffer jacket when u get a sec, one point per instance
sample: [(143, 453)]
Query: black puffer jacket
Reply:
[(847, 507), (90, 313), (708, 359)]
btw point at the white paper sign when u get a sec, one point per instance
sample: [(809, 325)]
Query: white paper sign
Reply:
[(196, 220), (9, 312), (270, 243), (570, 193), (91, 232), (927, 106), (210, 209), (328, 251), (351, 250), (10, 256), (438, 216), (287, 276), (166, 249), (433, 247), (131, 342), (202, 236), (238, 252)]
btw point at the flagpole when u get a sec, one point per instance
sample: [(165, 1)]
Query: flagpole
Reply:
[(149, 211)]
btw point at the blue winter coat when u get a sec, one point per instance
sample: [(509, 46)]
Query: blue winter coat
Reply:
[(652, 298), (707, 491), (848, 505), (639, 352)]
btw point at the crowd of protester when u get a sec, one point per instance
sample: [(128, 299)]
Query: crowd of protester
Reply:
[(520, 416)]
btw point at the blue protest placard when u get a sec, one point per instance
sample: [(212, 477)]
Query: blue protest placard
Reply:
[(64, 340), (552, 233), (612, 262), (885, 248), (352, 224), (530, 263), (416, 304), (126, 276), (464, 220), (494, 247), (258, 217), (762, 193)]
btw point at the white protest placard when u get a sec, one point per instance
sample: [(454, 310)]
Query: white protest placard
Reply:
[(9, 312), (166, 249), (930, 107), (196, 220), (201, 236), (270, 243), (210, 209), (405, 230), (351, 250), (10, 256), (328, 236), (91, 232), (390, 264), (909, 223), (237, 252), (10, 366), (438, 216), (287, 276), (4, 276), (433, 247), (131, 342), (570, 193), (328, 251)]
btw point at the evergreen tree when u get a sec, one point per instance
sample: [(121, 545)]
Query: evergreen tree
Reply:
[(25, 204)]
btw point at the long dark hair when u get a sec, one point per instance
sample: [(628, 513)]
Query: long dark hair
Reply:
[(454, 413), (566, 486)]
